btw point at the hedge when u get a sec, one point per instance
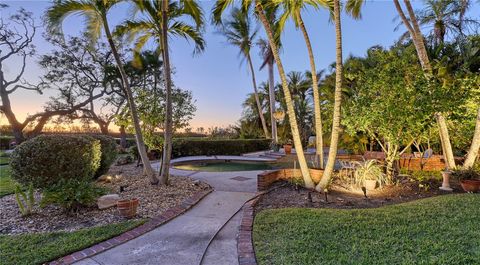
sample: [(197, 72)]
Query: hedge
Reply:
[(5, 142), (46, 159), (192, 147), (109, 153)]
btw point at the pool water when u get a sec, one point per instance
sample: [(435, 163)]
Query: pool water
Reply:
[(225, 166)]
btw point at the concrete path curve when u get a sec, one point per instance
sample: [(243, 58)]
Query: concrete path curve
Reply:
[(184, 239)]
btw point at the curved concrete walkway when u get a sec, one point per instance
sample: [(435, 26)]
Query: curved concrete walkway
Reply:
[(184, 239)]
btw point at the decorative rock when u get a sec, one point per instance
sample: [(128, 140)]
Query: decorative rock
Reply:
[(107, 201)]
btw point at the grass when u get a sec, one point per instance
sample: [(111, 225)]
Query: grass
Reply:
[(7, 185), (44, 247), (438, 230)]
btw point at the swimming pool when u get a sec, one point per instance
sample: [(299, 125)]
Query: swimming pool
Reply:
[(224, 165)]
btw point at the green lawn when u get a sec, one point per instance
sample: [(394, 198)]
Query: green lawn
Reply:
[(40, 248), (438, 230), (7, 185)]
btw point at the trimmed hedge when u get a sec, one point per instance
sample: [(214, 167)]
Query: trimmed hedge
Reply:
[(5, 142), (46, 159), (192, 147), (109, 153)]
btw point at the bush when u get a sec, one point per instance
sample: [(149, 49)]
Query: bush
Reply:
[(72, 194), (109, 153), (195, 147), (47, 159)]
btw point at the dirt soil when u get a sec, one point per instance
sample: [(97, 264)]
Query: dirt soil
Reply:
[(286, 194), (154, 199)]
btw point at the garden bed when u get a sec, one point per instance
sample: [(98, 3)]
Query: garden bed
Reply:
[(153, 201), (285, 194)]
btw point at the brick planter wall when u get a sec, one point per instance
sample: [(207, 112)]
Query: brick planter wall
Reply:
[(265, 179)]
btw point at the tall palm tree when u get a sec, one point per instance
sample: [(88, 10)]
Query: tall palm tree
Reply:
[(332, 153), (238, 32), (269, 61), (416, 35), (218, 9), (95, 13), (293, 9), (159, 20)]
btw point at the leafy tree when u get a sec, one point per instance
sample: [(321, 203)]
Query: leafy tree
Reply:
[(95, 13)]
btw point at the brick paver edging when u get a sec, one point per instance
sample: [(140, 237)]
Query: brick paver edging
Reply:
[(135, 232), (245, 249)]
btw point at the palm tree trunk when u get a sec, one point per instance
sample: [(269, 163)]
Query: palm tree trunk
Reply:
[(475, 147), (417, 38), (168, 131), (316, 94), (332, 153), (288, 99), (257, 100), (271, 95), (147, 168)]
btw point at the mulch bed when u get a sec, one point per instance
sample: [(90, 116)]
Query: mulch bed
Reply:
[(154, 199), (286, 194)]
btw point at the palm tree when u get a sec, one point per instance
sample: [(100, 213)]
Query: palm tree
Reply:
[(293, 9), (162, 19), (218, 9), (269, 61), (95, 13), (417, 37), (238, 32), (444, 17)]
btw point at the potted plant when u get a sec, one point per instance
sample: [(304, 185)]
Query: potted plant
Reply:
[(368, 174), (128, 208), (469, 179), (288, 147)]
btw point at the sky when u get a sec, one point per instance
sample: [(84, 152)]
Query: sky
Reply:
[(218, 81)]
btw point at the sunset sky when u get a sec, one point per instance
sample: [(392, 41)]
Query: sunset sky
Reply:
[(218, 82)]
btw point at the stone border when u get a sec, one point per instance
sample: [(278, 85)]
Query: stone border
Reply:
[(245, 248), (135, 232)]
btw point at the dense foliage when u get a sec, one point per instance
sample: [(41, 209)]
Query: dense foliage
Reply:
[(71, 194), (195, 147), (47, 159)]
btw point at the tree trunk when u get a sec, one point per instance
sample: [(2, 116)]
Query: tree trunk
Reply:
[(271, 95), (147, 168), (6, 109), (475, 147), (123, 137), (257, 100), (316, 94), (288, 99), (332, 153), (417, 38), (168, 130)]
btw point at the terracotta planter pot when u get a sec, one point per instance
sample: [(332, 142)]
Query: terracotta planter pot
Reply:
[(370, 184), (470, 185), (128, 208), (287, 148)]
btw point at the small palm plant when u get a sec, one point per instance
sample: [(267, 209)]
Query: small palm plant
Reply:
[(369, 170), (25, 200)]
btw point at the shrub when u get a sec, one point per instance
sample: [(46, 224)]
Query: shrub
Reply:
[(47, 159), (369, 170), (5, 142), (72, 194), (109, 153), (465, 174), (194, 147)]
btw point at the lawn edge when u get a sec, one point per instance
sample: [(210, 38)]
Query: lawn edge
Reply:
[(245, 247), (151, 224)]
